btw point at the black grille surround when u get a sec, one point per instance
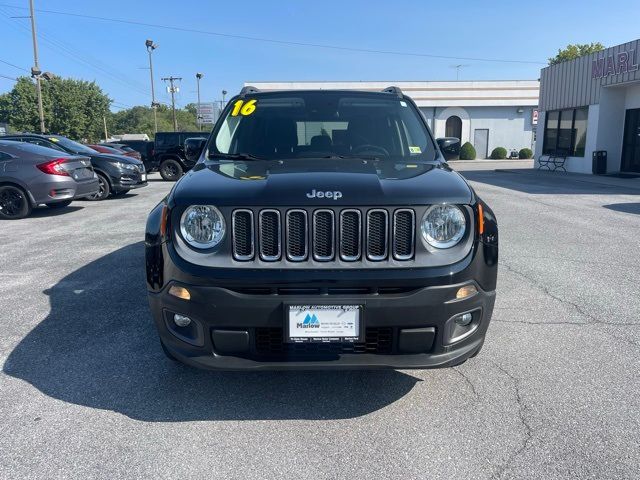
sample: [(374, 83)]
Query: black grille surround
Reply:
[(347, 235)]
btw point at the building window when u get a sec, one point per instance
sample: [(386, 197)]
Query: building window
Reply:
[(565, 132), (453, 127)]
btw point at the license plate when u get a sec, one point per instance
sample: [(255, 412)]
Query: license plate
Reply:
[(144, 177), (324, 323)]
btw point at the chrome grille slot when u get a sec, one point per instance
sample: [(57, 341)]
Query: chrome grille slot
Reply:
[(403, 234), (242, 232), (297, 235), (323, 235), (270, 243), (350, 235), (377, 234)]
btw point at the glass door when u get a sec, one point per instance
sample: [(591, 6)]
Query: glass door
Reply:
[(631, 142)]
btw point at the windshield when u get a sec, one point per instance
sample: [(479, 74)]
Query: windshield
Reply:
[(75, 147), (323, 125)]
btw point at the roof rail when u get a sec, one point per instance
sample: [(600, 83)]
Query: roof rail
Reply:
[(394, 90), (248, 89)]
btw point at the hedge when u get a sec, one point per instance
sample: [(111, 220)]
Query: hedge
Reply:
[(525, 153), (499, 153), (467, 152)]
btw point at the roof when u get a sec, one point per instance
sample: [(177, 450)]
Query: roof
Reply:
[(432, 93)]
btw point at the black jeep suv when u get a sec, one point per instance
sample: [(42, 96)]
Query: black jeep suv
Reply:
[(117, 174), (321, 229), (169, 154)]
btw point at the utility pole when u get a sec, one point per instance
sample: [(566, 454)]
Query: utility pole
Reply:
[(224, 92), (198, 119), (458, 67), (106, 135), (154, 106), (35, 71), (173, 90)]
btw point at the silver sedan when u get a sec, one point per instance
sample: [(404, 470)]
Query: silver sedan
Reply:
[(31, 175)]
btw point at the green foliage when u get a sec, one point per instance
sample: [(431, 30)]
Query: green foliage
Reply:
[(525, 153), (467, 152), (575, 51), (73, 108), (499, 153), (139, 119)]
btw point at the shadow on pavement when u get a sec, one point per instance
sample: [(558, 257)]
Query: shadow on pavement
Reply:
[(44, 211), (545, 183), (98, 348), (624, 207)]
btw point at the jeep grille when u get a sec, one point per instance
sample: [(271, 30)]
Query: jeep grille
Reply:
[(323, 235)]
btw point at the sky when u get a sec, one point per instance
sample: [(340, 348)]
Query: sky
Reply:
[(113, 53)]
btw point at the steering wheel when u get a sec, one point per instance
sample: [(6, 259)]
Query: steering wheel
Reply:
[(370, 148)]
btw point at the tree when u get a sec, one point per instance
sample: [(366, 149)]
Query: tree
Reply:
[(73, 108), (139, 119), (575, 51)]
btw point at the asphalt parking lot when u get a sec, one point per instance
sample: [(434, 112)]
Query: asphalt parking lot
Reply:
[(86, 392)]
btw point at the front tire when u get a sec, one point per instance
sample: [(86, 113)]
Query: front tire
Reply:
[(104, 189), (66, 203), (171, 170), (14, 203)]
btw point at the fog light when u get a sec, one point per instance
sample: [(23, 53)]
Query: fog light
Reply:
[(181, 320), (464, 319), (180, 292), (466, 291)]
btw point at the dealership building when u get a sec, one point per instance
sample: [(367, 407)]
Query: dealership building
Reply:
[(489, 114), (592, 104)]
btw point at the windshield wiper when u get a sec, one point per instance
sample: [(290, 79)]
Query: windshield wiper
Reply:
[(234, 156)]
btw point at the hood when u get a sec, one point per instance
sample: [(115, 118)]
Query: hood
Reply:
[(116, 158), (320, 182)]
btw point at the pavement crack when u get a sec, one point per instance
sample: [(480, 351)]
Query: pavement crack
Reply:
[(591, 319), (528, 431), (468, 381)]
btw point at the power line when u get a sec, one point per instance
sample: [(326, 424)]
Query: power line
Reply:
[(279, 42), (9, 78), (14, 66), (93, 64)]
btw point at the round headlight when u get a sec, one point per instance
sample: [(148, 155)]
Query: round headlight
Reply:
[(443, 226), (202, 226)]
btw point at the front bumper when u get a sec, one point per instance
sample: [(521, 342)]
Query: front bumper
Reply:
[(233, 330), (129, 180)]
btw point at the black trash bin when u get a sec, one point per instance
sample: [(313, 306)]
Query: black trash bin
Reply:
[(599, 162)]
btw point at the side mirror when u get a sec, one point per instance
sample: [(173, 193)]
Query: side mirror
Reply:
[(193, 148), (450, 147)]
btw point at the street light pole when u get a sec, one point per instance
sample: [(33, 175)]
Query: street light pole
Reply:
[(198, 119), (150, 48), (35, 71), (173, 89)]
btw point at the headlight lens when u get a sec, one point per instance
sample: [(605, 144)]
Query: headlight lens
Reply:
[(127, 166), (202, 226), (443, 226)]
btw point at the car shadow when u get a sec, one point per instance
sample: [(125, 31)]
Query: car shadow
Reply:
[(544, 183), (44, 211), (624, 207), (98, 348)]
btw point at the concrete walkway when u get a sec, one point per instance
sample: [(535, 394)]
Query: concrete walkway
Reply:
[(633, 183)]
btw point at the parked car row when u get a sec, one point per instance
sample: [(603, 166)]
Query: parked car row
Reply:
[(54, 170)]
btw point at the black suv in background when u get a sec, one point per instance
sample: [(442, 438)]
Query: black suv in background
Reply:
[(169, 153), (145, 149), (117, 174)]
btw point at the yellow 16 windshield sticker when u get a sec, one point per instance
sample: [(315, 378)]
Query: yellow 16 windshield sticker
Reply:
[(240, 107), (415, 149)]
